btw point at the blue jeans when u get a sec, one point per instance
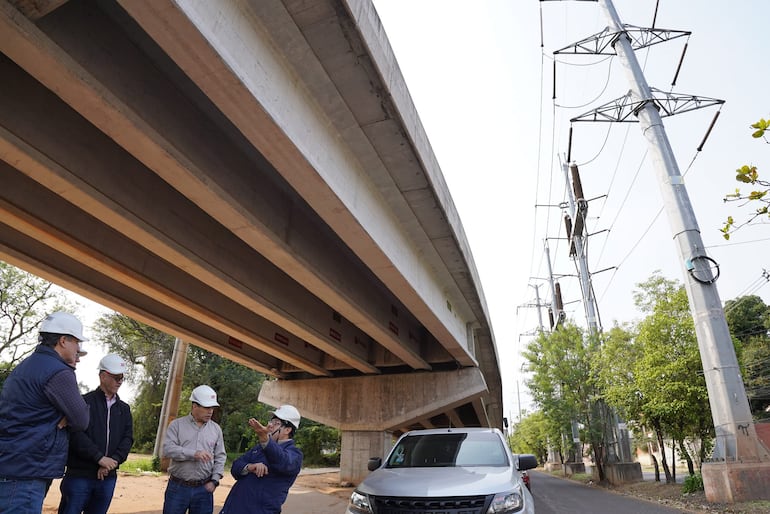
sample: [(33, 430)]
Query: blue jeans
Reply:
[(179, 498), (21, 496), (86, 495)]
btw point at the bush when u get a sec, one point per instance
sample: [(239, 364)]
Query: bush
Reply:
[(693, 483), (319, 443)]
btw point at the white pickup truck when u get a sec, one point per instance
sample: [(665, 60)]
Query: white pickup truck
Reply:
[(446, 471)]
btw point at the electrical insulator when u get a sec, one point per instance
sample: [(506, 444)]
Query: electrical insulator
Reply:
[(577, 186)]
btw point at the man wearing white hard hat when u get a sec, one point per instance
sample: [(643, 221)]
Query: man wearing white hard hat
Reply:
[(94, 455), (265, 473), (40, 405), (195, 445)]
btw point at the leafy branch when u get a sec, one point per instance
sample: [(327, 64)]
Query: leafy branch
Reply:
[(750, 175)]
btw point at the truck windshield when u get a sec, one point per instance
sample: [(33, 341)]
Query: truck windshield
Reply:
[(448, 450)]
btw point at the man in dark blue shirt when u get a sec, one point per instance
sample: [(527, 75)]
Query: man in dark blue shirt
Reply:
[(40, 405), (265, 473)]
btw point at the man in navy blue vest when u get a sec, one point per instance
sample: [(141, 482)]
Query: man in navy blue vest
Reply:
[(40, 405)]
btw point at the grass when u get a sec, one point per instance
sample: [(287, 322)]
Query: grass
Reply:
[(138, 464), (142, 464)]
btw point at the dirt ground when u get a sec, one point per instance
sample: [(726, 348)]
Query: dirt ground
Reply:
[(314, 492), (319, 492)]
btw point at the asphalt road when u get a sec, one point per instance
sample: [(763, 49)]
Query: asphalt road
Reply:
[(558, 496)]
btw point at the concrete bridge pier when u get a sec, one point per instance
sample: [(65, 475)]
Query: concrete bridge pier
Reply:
[(369, 409), (358, 446)]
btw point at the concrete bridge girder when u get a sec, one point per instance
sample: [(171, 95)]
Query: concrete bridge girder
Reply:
[(408, 346), (268, 154)]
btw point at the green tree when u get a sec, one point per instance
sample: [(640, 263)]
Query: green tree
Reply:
[(748, 174), (563, 385), (531, 435), (749, 320), (319, 443), (237, 389), (669, 370), (24, 301), (148, 353)]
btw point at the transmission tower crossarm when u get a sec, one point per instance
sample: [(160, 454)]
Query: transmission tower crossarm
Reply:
[(666, 103), (603, 43)]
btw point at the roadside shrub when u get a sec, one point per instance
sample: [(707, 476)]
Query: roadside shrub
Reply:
[(693, 483)]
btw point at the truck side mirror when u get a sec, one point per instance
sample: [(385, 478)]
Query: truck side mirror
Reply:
[(526, 461), (374, 463)]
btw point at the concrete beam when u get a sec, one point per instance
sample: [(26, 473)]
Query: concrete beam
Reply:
[(205, 305), (380, 403), (172, 137), (36, 9), (113, 295), (217, 44), (133, 203)]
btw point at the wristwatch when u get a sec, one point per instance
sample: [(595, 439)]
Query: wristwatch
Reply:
[(215, 482)]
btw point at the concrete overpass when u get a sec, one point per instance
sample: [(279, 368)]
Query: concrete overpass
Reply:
[(252, 177)]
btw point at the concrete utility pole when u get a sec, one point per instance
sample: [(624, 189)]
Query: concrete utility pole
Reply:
[(618, 444), (739, 455), (537, 303), (578, 211), (170, 404), (556, 311)]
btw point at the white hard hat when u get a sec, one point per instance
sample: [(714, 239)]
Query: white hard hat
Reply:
[(63, 323), (204, 396), (112, 363), (287, 413)]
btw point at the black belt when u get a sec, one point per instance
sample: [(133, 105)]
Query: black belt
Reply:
[(187, 483)]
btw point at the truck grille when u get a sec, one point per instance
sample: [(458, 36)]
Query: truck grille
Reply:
[(449, 505)]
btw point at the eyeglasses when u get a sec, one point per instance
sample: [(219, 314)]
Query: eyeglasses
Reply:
[(116, 378)]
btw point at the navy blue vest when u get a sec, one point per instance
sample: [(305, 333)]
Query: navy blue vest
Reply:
[(31, 446)]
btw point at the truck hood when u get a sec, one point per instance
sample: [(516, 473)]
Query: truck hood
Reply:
[(433, 482)]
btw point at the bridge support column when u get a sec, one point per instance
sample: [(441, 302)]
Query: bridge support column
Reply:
[(357, 448)]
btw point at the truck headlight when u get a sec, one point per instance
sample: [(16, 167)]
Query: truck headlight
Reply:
[(504, 503), (359, 504)]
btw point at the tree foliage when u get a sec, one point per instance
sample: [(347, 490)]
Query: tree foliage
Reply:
[(563, 385), (24, 301), (148, 353), (749, 174), (749, 320), (531, 435), (653, 374)]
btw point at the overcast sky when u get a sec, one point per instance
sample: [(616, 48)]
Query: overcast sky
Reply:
[(483, 86)]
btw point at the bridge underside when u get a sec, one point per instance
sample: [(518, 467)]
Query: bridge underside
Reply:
[(251, 177)]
